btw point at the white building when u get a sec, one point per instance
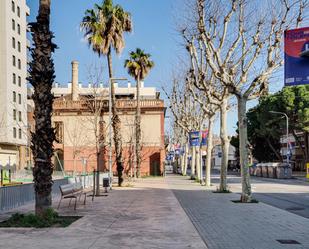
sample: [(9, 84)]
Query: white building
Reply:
[(296, 158), (217, 156), (123, 90), (13, 73)]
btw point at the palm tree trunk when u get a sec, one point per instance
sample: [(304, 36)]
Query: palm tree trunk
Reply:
[(41, 77), (138, 128), (116, 123)]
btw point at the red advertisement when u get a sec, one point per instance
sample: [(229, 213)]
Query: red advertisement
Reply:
[(296, 56)]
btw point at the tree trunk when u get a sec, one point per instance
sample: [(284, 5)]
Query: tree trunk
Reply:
[(209, 151), (186, 160), (198, 163), (41, 70), (116, 123), (246, 195), (182, 154), (193, 154), (224, 144), (306, 141), (182, 160), (74, 166), (138, 128), (97, 192), (201, 165)]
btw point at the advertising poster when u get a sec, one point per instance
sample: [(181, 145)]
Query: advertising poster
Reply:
[(194, 138), (296, 56), (204, 137)]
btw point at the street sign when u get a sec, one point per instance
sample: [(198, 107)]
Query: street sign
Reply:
[(296, 56)]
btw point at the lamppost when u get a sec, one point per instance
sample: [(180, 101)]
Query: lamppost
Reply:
[(111, 81), (287, 133)]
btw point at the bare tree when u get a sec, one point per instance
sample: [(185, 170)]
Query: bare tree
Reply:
[(187, 115), (146, 148), (97, 105), (209, 109), (242, 41), (213, 96), (76, 139)]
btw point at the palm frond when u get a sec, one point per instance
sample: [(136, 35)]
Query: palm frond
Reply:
[(104, 26), (139, 64)]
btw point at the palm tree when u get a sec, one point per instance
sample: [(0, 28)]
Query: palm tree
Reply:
[(138, 67), (104, 28), (41, 71)]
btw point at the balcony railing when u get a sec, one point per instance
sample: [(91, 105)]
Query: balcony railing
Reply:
[(145, 103), (121, 104), (71, 104)]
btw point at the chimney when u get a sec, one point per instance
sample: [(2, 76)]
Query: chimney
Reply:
[(74, 80)]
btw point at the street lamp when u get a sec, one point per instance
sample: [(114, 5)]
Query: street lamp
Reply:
[(287, 133), (111, 81)]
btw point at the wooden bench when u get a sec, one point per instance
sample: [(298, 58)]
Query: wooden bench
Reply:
[(72, 191)]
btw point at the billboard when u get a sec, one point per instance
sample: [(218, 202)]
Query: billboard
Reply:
[(296, 57)]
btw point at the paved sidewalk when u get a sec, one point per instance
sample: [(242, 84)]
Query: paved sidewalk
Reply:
[(173, 213), (287, 194), (224, 224), (145, 216)]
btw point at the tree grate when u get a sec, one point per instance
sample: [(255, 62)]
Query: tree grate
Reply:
[(288, 242)]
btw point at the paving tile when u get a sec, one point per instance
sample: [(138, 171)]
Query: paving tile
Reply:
[(145, 216), (224, 224)]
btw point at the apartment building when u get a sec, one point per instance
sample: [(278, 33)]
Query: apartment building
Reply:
[(13, 89)]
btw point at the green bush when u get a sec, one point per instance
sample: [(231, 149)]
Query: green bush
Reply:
[(48, 219)]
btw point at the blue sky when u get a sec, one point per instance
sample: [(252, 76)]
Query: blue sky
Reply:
[(154, 31)]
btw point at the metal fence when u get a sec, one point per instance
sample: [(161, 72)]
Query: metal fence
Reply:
[(18, 195), (86, 180)]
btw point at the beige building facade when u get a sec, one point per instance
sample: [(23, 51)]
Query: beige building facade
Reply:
[(81, 121), (13, 88)]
